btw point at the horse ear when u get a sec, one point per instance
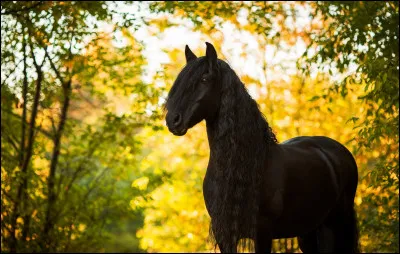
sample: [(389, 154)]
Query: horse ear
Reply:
[(211, 55), (190, 56)]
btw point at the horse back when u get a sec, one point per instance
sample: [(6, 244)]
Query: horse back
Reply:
[(335, 157), (304, 178)]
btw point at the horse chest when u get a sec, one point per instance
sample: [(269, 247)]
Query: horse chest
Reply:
[(213, 190), (210, 192)]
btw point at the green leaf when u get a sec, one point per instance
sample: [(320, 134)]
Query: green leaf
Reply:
[(314, 98)]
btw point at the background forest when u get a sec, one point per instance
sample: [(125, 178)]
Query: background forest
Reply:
[(87, 164)]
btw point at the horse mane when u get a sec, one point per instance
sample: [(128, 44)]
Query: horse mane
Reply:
[(240, 147)]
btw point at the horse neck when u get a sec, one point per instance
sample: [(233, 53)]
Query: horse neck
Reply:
[(248, 130), (239, 142)]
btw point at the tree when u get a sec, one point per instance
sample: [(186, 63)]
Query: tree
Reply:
[(366, 34), (338, 37), (56, 161), (87, 162)]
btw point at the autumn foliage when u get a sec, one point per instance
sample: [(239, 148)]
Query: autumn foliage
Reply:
[(87, 164)]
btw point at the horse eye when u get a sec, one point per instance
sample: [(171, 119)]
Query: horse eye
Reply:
[(204, 80)]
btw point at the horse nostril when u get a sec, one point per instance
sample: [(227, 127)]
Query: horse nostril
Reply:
[(177, 119)]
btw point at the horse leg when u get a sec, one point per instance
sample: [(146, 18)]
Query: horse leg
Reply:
[(319, 240), (346, 232), (263, 245), (343, 223), (308, 242), (263, 242), (225, 245), (325, 239)]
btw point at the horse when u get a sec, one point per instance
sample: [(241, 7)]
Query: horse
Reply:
[(257, 189)]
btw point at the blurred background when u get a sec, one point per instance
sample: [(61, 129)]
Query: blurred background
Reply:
[(87, 164)]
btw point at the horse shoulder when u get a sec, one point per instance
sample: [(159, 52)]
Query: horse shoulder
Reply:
[(273, 184)]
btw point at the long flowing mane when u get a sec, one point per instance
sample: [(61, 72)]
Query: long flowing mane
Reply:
[(239, 140), (243, 193)]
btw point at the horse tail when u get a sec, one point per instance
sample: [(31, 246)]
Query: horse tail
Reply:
[(351, 220), (353, 233), (345, 223), (348, 217), (346, 231), (354, 230)]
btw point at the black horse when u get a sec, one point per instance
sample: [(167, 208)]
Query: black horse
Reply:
[(255, 188)]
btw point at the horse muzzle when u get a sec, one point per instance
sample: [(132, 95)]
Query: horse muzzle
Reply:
[(175, 124)]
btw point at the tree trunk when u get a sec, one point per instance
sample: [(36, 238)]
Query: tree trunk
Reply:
[(25, 197), (27, 157), (49, 222)]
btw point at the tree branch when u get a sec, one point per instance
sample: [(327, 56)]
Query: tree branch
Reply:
[(53, 66), (24, 97), (15, 11), (91, 151), (4, 192), (25, 196), (54, 161), (12, 142), (9, 74), (37, 128), (52, 195), (25, 164)]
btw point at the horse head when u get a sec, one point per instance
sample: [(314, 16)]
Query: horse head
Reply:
[(195, 94)]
